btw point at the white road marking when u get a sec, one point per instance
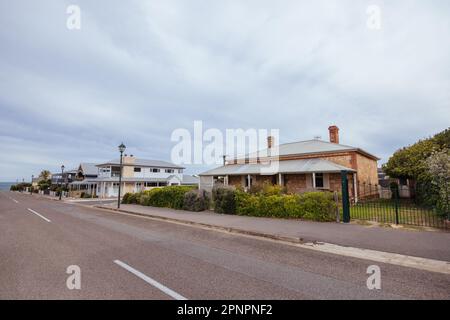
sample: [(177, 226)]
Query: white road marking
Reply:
[(14, 200), (39, 215), (149, 280)]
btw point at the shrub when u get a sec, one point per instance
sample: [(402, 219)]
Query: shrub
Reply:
[(318, 206), (267, 189), (20, 186), (144, 199), (224, 200), (196, 200), (126, 198), (168, 197)]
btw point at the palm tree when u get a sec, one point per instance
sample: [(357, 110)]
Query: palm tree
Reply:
[(44, 175)]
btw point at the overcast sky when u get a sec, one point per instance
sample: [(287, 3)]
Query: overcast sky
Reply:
[(137, 70)]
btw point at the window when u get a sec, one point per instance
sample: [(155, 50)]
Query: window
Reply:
[(151, 184), (170, 171), (180, 170), (154, 170), (319, 180), (246, 181), (137, 169)]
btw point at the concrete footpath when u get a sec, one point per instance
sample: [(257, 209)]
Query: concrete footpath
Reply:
[(416, 243)]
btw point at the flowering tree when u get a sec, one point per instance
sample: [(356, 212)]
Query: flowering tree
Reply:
[(439, 168)]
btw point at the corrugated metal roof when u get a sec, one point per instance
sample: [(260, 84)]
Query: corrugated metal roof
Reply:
[(188, 179), (288, 166), (308, 147), (89, 169), (116, 179), (144, 163)]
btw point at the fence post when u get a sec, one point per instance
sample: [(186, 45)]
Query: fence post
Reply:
[(396, 194), (336, 200), (345, 197)]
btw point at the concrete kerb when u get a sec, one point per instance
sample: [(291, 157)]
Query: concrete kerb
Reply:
[(359, 253)]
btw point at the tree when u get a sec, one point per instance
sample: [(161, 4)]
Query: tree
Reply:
[(439, 168), (44, 175), (412, 162)]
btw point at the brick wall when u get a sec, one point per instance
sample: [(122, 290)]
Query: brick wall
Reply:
[(295, 183), (235, 181)]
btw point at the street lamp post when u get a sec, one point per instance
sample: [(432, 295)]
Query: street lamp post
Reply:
[(31, 187), (121, 150), (60, 187)]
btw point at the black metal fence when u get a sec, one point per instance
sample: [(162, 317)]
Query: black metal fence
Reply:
[(394, 205)]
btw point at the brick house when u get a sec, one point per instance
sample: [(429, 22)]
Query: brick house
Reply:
[(299, 166)]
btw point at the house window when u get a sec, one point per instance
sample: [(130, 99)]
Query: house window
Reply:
[(163, 184), (154, 170), (180, 170), (151, 184), (137, 169), (319, 180), (246, 181), (170, 171)]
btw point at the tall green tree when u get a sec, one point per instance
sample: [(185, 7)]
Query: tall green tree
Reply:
[(415, 162), (44, 175), (410, 162)]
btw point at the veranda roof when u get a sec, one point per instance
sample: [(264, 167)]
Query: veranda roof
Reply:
[(274, 167)]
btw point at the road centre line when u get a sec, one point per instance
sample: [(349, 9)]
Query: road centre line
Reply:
[(39, 215), (149, 280)]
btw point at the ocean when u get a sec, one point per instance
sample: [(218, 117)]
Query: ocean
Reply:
[(6, 185)]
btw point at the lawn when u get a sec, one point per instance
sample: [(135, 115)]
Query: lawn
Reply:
[(384, 211)]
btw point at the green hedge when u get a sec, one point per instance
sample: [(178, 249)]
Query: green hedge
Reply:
[(168, 197), (224, 200), (317, 206), (131, 198), (196, 200)]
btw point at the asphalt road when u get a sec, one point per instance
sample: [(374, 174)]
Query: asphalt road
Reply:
[(128, 257)]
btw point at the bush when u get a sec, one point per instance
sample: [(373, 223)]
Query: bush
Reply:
[(168, 197), (20, 186), (196, 200), (267, 189), (86, 195), (317, 206), (131, 198), (224, 200)]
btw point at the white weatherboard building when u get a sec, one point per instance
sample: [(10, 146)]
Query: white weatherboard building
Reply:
[(137, 175)]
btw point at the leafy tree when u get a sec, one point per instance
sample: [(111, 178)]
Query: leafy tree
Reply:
[(439, 168), (412, 162), (44, 175)]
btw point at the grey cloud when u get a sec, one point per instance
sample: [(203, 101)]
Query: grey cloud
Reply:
[(137, 70)]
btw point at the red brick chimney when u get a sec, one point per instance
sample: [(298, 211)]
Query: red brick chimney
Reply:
[(334, 134), (270, 141)]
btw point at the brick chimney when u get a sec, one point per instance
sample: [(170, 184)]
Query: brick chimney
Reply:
[(128, 159), (334, 134), (270, 142)]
